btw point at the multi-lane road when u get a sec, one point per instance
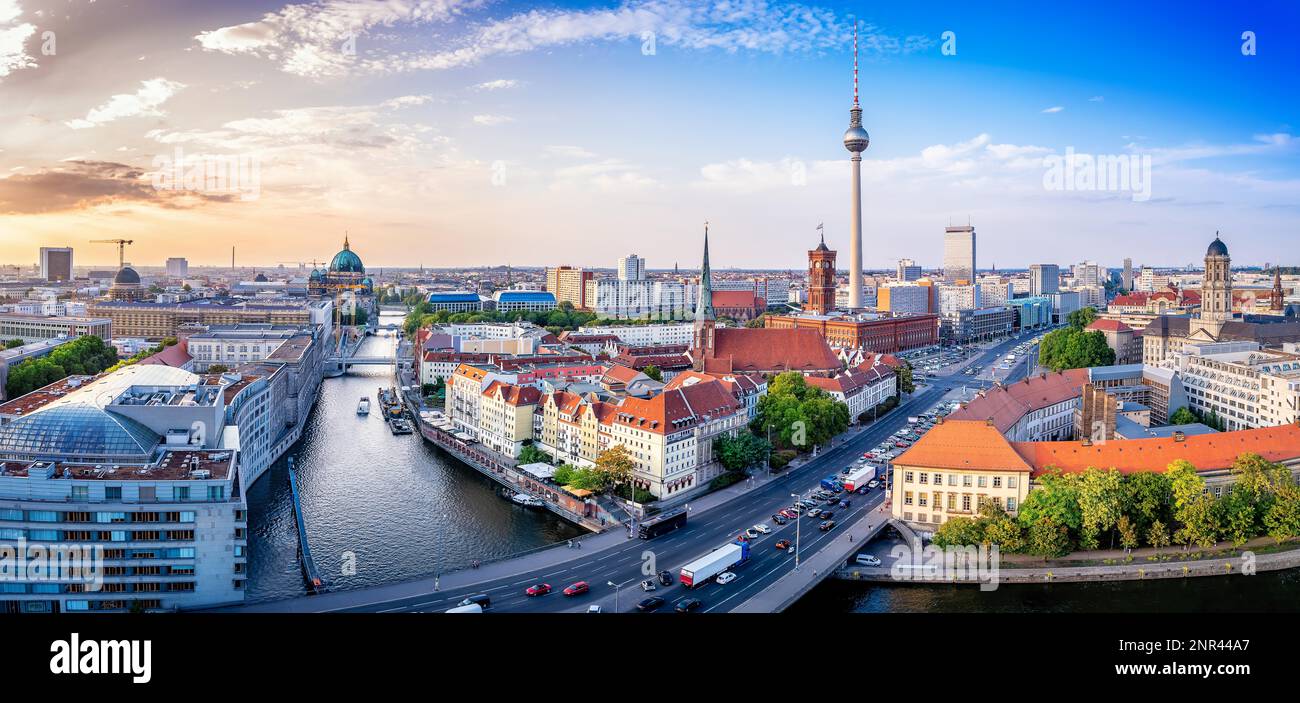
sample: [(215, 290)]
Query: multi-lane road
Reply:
[(628, 563)]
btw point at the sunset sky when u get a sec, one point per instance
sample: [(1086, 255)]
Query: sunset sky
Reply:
[(472, 132)]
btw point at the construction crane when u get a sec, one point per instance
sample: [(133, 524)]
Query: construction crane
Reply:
[(121, 249)]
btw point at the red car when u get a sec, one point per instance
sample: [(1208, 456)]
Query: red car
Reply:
[(789, 513), (577, 589), (538, 589), (902, 445), (868, 455)]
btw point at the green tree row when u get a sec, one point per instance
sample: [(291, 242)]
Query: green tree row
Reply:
[(1097, 508), (797, 415), (86, 355)]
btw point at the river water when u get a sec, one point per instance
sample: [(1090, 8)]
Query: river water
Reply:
[(396, 506)]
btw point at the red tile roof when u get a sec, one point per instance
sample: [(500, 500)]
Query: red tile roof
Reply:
[(176, 356), (1110, 326), (1005, 405), (677, 409), (1207, 452), (769, 349), (735, 299)]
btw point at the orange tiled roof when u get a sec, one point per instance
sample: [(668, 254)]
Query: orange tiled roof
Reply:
[(1207, 452), (676, 409), (962, 445), (1109, 326), (621, 374), (1005, 405)]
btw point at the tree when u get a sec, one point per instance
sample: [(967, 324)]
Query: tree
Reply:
[(740, 452), (1183, 416), (13, 343), (998, 528), (905, 382), (1047, 538), (1158, 535), (653, 372), (1200, 518), (1147, 498), (218, 368), (1057, 497), (1128, 534), (1282, 520), (1074, 348), (1101, 502), (1238, 515), (1081, 318), (958, 532), (798, 415), (615, 466), (532, 455)]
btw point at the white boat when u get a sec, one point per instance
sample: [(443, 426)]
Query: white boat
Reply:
[(527, 500), (363, 408)]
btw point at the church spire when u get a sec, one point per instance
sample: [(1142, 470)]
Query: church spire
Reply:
[(1277, 289), (704, 305)]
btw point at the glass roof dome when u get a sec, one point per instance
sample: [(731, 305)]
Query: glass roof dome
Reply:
[(77, 430), (346, 261)]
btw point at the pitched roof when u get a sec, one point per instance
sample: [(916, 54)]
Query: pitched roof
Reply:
[(512, 394), (677, 409), (1005, 405), (1109, 326), (770, 349), (619, 373), (1207, 452), (735, 299), (963, 444), (174, 355)]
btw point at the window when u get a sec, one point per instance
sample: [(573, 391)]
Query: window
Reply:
[(1011, 505), (965, 481), (983, 481), (907, 498), (80, 493), (952, 480), (1011, 482), (112, 493), (965, 502), (907, 477), (997, 481)]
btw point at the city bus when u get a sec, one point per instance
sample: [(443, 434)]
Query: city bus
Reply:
[(666, 522)]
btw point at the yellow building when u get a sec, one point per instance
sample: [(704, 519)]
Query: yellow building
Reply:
[(952, 468), (505, 417)]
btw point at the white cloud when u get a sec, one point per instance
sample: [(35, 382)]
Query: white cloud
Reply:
[(607, 175), (492, 120), (1052, 110), (499, 84), (13, 37), (307, 39), (143, 102), (566, 151)]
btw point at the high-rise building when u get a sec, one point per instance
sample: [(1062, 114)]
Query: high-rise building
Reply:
[(631, 268), (856, 140), (903, 298), (1044, 279), (908, 270), (56, 263), (1088, 273), (1128, 275), (178, 267), (821, 279), (959, 253), (569, 284)]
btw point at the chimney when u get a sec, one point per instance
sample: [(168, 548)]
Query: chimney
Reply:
[(1086, 442), (989, 422), (1179, 436)]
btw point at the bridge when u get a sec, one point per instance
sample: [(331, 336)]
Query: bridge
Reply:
[(310, 577), (614, 563)]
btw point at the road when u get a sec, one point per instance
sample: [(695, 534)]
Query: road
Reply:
[(623, 564)]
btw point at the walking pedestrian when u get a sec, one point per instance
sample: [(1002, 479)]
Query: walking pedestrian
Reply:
[(435, 583)]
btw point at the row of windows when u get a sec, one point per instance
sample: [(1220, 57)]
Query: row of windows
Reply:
[(967, 480), (103, 517), (36, 535), (180, 494)]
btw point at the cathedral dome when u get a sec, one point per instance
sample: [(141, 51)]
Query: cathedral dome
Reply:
[(1217, 247), (127, 276), (346, 261)]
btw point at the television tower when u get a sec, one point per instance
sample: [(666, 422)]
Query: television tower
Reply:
[(856, 141)]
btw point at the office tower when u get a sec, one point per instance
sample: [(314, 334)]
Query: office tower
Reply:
[(56, 263), (178, 267), (856, 141), (631, 268), (959, 254), (1128, 275), (1044, 279), (908, 270), (1088, 273), (569, 284)]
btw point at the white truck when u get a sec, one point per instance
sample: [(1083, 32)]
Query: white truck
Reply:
[(714, 563), (859, 478)]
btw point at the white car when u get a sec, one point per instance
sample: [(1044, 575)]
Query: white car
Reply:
[(763, 529), (725, 578), (751, 533), (867, 560), (593, 609), (872, 483)]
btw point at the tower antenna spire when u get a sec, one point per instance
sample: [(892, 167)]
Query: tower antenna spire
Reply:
[(855, 62)]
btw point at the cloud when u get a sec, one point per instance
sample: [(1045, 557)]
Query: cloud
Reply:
[(499, 84), (608, 175), (78, 185), (1052, 110), (492, 120), (13, 37), (316, 39), (566, 151), (308, 39), (145, 101)]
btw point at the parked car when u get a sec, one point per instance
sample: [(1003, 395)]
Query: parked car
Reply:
[(751, 533), (763, 529), (826, 526), (688, 605), (538, 589), (780, 519), (651, 603), (867, 560), (790, 512), (594, 609), (577, 589), (725, 578)]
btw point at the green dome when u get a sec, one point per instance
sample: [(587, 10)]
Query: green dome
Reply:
[(346, 262)]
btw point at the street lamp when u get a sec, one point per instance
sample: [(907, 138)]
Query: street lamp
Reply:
[(617, 586)]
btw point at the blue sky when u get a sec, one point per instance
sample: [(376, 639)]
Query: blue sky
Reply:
[(467, 132)]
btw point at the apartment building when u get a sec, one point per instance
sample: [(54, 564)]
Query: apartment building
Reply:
[(953, 469), (506, 417)]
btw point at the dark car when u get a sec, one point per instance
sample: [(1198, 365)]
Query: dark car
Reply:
[(861, 491), (651, 603), (577, 589), (665, 578), (826, 526), (538, 589), (846, 503), (826, 515), (687, 605), (780, 519)]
